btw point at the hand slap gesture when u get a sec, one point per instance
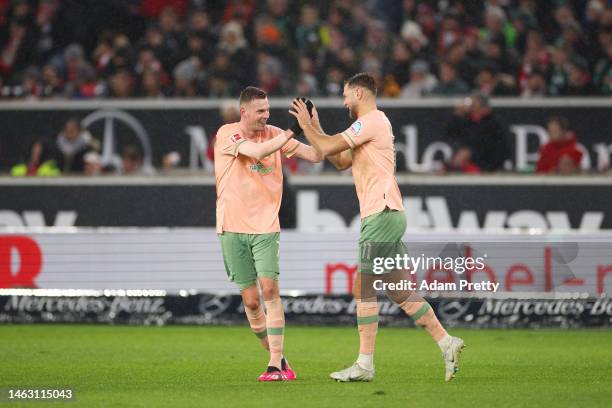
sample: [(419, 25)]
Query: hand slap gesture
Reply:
[(300, 111)]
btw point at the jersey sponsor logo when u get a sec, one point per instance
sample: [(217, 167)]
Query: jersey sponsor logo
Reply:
[(356, 128), (261, 169), (236, 138)]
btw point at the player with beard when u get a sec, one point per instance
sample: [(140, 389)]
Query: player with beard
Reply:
[(367, 146)]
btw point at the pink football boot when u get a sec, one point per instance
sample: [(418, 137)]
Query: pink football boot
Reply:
[(271, 374), (287, 371)]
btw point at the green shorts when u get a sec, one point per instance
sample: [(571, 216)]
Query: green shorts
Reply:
[(250, 256), (381, 236)]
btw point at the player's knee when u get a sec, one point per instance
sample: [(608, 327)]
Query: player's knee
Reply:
[(252, 304), (398, 297), (269, 292)]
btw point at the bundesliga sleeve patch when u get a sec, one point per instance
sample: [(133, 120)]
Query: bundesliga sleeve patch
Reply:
[(356, 128), (236, 138)]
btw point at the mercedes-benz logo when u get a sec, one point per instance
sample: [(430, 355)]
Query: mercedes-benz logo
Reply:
[(111, 118), (214, 305), (452, 309)]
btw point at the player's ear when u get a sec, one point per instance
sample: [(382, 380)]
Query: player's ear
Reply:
[(242, 110)]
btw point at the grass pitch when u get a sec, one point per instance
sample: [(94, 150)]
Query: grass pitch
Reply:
[(218, 366)]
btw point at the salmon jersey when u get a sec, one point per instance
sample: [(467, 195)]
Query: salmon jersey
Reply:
[(371, 140), (249, 191)]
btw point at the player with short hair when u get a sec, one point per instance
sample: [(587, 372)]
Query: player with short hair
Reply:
[(249, 182), (367, 146)]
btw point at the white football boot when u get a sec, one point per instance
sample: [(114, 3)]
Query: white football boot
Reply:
[(353, 373)]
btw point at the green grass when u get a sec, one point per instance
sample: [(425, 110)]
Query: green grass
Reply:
[(218, 366)]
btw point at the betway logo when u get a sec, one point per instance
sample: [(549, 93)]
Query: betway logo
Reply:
[(10, 218), (433, 212)]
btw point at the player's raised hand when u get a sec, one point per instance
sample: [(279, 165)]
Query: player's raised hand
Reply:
[(294, 125), (299, 110), (315, 117), (309, 105)]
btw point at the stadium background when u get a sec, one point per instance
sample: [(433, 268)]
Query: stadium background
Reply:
[(120, 230)]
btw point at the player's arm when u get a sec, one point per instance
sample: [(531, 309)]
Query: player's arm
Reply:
[(301, 150), (326, 145), (342, 160), (260, 150), (305, 152)]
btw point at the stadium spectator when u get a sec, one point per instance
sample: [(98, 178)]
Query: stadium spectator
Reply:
[(308, 32), (281, 19), (579, 81), (73, 142), (18, 43), (92, 164), (269, 38), (121, 84), (473, 55), (422, 82), (400, 71), (306, 86), (132, 163), (41, 162), (450, 32), (561, 154), (491, 83), (334, 53), (450, 84), (230, 112), (241, 60), (150, 85), (200, 25), (30, 84), (52, 85), (558, 76), (461, 162), (174, 38), (417, 42), (497, 29), (270, 75), (147, 61), (170, 161), (476, 127), (535, 58), (603, 72), (334, 82), (497, 56), (535, 86), (51, 31)]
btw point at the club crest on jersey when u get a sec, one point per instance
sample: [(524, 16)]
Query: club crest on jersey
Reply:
[(356, 127), (236, 138)]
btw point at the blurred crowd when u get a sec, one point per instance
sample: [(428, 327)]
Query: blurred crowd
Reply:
[(480, 142), (84, 49), (76, 151), (477, 135)]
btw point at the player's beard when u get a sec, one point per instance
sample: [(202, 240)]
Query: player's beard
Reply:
[(350, 113)]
